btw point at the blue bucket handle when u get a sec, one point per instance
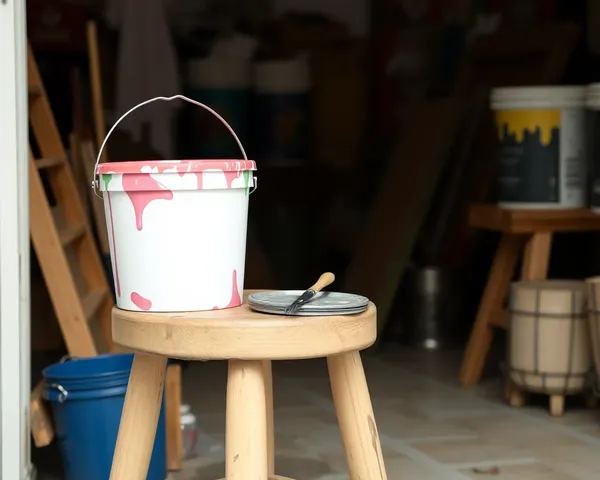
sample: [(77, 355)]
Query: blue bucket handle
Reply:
[(63, 392)]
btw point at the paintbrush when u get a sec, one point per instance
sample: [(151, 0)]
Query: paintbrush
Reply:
[(323, 281)]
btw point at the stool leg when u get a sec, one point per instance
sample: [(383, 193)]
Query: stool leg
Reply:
[(246, 454), (355, 417), (536, 257), (173, 418), (268, 375), (492, 300), (139, 418)]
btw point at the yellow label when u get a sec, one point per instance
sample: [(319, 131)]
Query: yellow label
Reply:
[(517, 122)]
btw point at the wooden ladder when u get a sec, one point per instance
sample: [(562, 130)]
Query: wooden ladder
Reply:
[(72, 266), (64, 245)]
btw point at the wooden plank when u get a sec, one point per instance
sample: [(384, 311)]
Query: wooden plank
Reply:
[(388, 237), (96, 84), (41, 423), (88, 159), (50, 162)]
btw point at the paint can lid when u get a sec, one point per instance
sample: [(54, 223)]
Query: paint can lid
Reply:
[(175, 166), (522, 98)]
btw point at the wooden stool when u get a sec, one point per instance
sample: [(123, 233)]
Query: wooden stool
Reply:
[(528, 230), (249, 340)]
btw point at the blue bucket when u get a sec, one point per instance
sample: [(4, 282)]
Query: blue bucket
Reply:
[(87, 396)]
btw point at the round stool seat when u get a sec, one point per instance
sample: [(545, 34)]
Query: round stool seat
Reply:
[(241, 333)]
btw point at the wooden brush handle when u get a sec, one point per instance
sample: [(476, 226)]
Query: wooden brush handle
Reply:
[(324, 280)]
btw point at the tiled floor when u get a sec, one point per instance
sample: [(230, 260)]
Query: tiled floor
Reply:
[(430, 428)]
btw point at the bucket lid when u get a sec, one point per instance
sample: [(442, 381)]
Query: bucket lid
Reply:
[(538, 97), (550, 297), (175, 166)]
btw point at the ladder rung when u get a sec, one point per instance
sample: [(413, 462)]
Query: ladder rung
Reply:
[(92, 302), (71, 233), (50, 162)]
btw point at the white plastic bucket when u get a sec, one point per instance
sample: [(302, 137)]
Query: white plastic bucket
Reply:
[(177, 228), (542, 140)]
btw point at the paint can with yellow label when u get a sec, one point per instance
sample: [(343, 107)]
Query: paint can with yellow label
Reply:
[(593, 144), (542, 146)]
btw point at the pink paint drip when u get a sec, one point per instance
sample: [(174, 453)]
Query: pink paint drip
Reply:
[(236, 301), (114, 244), (141, 302), (199, 178), (230, 177), (141, 190)]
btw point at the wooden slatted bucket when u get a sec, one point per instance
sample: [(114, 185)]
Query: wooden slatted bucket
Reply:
[(549, 349), (593, 295)]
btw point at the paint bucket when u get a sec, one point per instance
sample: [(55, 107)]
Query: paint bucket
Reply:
[(281, 111), (593, 144), (223, 85), (541, 136), (177, 228), (549, 349), (87, 397)]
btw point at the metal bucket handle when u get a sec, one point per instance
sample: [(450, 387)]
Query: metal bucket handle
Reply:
[(63, 392), (95, 181)]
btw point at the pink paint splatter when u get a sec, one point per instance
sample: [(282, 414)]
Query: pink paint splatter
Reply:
[(141, 190), (141, 302), (231, 176), (235, 301), (114, 244)]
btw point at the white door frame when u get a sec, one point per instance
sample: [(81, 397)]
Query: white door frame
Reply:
[(15, 382)]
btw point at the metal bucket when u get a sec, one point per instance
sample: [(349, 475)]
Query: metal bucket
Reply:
[(434, 304)]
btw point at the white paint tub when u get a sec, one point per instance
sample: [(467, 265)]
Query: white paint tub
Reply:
[(177, 229), (542, 144)]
